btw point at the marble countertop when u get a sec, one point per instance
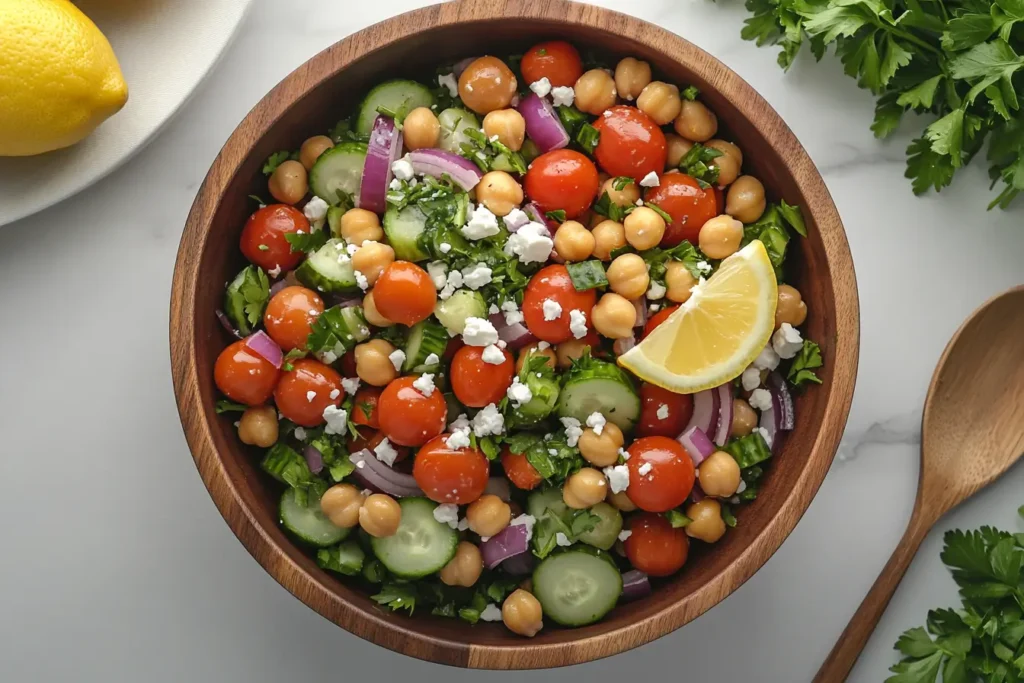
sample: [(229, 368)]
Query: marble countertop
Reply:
[(117, 567)]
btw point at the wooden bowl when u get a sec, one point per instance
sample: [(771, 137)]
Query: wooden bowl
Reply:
[(314, 97)]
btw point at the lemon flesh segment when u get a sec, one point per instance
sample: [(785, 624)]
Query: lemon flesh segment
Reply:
[(717, 333)]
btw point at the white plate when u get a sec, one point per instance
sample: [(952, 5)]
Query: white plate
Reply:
[(165, 48)]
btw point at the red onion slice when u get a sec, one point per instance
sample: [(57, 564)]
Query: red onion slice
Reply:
[(438, 162), (226, 323), (697, 493), (461, 65), (518, 565), (635, 585), (260, 343), (509, 542), (640, 304), (724, 414), (771, 423), (288, 280), (516, 335), (314, 458), (696, 444), (705, 411), (780, 391), (375, 475), (498, 486), (542, 123), (623, 345), (384, 149)]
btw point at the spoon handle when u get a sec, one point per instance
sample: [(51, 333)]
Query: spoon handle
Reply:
[(844, 654)]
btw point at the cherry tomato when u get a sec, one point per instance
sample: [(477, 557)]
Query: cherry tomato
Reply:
[(243, 375), (658, 318), (447, 475), (407, 417), (553, 282), (556, 60), (655, 547), (348, 364), (267, 228), (477, 383), (690, 206), (631, 143), (719, 201), (561, 179), (519, 470), (306, 390), (290, 314), (364, 407), (404, 293), (668, 480), (663, 412), (369, 439)]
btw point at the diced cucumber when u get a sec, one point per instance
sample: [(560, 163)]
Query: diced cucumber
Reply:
[(308, 523), (346, 559), (328, 269), (539, 502), (398, 97), (577, 587), (425, 338), (545, 398), (405, 229), (338, 170), (421, 546), (606, 532), (464, 303), (453, 122), (600, 387), (334, 214), (249, 290)]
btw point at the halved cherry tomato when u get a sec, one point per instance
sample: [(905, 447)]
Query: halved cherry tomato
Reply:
[(306, 390), (663, 412), (655, 547), (690, 206), (561, 179), (290, 314), (669, 479), (407, 417), (371, 438), (519, 470), (658, 318), (553, 282), (556, 60), (263, 237), (243, 375), (476, 383), (631, 143), (404, 293), (364, 407), (448, 475)]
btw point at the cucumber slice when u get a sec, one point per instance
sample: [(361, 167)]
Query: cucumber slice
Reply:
[(346, 559), (545, 398), (421, 546), (453, 311), (328, 269), (606, 532), (539, 502), (453, 122), (338, 170), (334, 214), (425, 338), (398, 96), (600, 387), (576, 588), (405, 230), (308, 523), (356, 328)]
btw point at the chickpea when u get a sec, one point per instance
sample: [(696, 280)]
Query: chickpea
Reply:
[(614, 316), (677, 149), (745, 199), (719, 475), (696, 122), (644, 228), (509, 125), (421, 129), (627, 196), (372, 259), (595, 91), (487, 84), (573, 242), (720, 236), (465, 568), (341, 504), (371, 313), (627, 276), (499, 192), (601, 450), (631, 77), (380, 515), (288, 183), (312, 149), (678, 282), (533, 351), (360, 225), (726, 148), (373, 364), (488, 514), (728, 169), (608, 236), (568, 351), (620, 501), (661, 102), (744, 419), (707, 524), (258, 426), (586, 488), (791, 308), (522, 613)]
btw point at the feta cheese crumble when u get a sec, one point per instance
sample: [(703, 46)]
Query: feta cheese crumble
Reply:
[(704, 266), (645, 468), (512, 313), (458, 439), (541, 88), (596, 422), (310, 395), (336, 419), (787, 341), (493, 355), (335, 393), (491, 613), (578, 323), (349, 384), (656, 291), (454, 281), (447, 513), (449, 81), (519, 393), (488, 421), (315, 210), (482, 223), (432, 359), (563, 96), (618, 478), (361, 280), (438, 272), (532, 243), (385, 452), (662, 411), (402, 169), (476, 276), (461, 422), (397, 358), (764, 435), (624, 534), (424, 384), (750, 379), (300, 433), (445, 247), (552, 309), (516, 219), (479, 332), (650, 180), (760, 399), (767, 359), (562, 540), (573, 430)]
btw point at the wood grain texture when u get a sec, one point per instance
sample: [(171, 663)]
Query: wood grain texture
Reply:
[(972, 431), (310, 100)]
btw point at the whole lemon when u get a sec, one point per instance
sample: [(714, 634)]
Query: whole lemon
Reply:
[(59, 78)]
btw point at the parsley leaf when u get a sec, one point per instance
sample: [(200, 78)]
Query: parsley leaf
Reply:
[(806, 361), (677, 519), (226, 406), (246, 297), (307, 241), (696, 162), (275, 160), (397, 596)]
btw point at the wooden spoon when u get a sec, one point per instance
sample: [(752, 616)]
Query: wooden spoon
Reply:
[(972, 432)]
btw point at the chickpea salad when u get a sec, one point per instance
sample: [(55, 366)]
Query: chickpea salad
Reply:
[(513, 339)]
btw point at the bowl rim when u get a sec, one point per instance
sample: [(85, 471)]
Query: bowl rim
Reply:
[(366, 624)]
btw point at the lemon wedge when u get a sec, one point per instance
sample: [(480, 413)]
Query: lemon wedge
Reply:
[(717, 333)]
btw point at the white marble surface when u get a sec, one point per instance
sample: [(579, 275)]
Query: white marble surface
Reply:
[(116, 566)]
